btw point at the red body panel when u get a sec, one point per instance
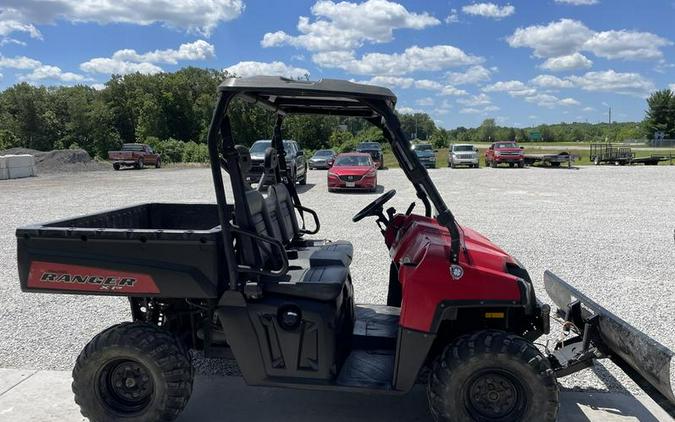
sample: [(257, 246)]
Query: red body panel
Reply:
[(130, 157), (55, 276), (421, 247)]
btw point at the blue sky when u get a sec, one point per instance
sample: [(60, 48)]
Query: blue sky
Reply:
[(523, 62)]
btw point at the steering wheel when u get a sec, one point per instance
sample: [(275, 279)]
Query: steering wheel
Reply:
[(374, 208)]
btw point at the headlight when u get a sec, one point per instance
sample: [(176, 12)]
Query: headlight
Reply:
[(498, 153), (332, 174)]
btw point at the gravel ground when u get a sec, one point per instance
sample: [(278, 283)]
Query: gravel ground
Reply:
[(608, 230)]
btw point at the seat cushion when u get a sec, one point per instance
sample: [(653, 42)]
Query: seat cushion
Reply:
[(320, 283), (308, 247)]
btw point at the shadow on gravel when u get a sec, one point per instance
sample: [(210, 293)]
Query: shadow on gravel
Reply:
[(304, 188)]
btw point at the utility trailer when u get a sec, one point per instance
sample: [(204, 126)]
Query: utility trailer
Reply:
[(243, 279), (621, 155), (551, 160)]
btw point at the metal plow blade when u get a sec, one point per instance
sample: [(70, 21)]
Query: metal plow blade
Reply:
[(645, 360)]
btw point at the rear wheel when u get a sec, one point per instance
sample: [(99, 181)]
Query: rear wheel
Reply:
[(521, 165), (116, 166), (133, 372), (492, 376), (303, 181), (158, 163), (140, 164)]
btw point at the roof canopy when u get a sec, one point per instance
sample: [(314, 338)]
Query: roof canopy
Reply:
[(327, 96)]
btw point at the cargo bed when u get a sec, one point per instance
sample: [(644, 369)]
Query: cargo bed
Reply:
[(164, 250)]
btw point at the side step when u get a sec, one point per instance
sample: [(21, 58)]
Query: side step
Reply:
[(376, 327), (372, 369)]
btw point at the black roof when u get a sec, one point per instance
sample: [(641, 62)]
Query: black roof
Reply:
[(327, 96)]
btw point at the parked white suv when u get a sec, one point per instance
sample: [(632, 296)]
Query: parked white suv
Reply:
[(463, 155)]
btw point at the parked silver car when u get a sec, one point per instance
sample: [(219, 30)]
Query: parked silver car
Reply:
[(463, 155), (322, 159)]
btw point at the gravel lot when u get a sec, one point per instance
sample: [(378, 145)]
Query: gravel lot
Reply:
[(608, 230)]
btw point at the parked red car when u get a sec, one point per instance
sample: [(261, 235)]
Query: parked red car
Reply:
[(504, 152), (135, 155), (353, 170)]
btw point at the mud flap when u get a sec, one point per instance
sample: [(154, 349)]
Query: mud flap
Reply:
[(642, 358)]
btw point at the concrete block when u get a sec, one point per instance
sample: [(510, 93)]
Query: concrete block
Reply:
[(23, 160), (19, 172), (4, 174), (3, 162)]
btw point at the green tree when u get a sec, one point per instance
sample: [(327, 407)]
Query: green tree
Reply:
[(660, 114)]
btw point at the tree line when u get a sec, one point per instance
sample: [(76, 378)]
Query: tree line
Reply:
[(171, 112)]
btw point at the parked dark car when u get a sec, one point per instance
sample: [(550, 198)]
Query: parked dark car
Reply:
[(426, 154), (295, 161), (134, 155), (322, 159), (375, 151)]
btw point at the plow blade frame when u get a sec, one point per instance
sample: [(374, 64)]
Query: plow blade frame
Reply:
[(642, 358)]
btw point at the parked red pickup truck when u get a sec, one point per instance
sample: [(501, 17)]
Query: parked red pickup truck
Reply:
[(134, 155), (504, 152)]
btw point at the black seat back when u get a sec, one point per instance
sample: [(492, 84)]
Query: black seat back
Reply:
[(279, 194)]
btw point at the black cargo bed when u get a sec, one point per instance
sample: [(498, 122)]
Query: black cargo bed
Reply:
[(166, 250)]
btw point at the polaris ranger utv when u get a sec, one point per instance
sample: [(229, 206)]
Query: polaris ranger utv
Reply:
[(244, 280)]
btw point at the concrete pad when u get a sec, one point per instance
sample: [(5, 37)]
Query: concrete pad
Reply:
[(9, 378), (46, 396)]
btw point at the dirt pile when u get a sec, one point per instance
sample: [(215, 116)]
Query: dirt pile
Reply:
[(60, 161)]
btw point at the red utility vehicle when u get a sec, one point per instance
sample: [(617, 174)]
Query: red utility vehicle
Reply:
[(135, 155), (241, 279), (353, 171), (504, 152)]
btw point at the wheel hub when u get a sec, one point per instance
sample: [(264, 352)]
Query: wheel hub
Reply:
[(493, 395), (126, 386)]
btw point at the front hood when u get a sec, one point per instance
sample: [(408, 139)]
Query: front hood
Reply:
[(350, 170), (483, 252)]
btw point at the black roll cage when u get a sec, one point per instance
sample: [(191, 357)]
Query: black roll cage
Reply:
[(329, 97)]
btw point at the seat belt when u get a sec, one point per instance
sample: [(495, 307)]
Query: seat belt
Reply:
[(278, 143)]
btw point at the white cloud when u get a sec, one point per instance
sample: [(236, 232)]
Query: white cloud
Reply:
[(564, 63), (611, 81), (252, 68), (475, 110), (453, 17), (19, 62), (98, 86), (472, 75), (390, 81), (413, 59), (560, 38), (513, 88), (489, 10), (626, 45), (672, 87), (550, 101), (51, 73), (346, 26), (427, 84), (198, 50), (118, 67), (475, 100), (587, 109), (451, 90), (8, 26), (193, 15), (550, 81), (567, 36), (408, 110), (426, 101), (578, 2)]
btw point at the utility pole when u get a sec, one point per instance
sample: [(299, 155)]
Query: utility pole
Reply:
[(610, 116)]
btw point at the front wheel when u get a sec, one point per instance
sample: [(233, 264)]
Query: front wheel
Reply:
[(133, 372), (140, 164), (158, 163), (492, 376)]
